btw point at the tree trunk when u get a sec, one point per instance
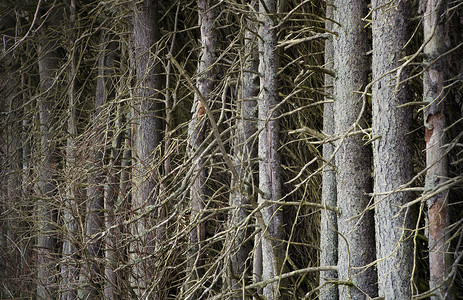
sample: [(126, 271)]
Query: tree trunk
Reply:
[(147, 139), (245, 151), (111, 190), (353, 159), (68, 265), (46, 210), (329, 223), (392, 149), (269, 158), (207, 80), (436, 158)]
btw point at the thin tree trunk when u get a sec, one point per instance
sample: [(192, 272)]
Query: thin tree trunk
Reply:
[(329, 223), (269, 158), (207, 80), (244, 157), (107, 65), (68, 264), (147, 139), (46, 212), (95, 192), (436, 159), (353, 159), (392, 149)]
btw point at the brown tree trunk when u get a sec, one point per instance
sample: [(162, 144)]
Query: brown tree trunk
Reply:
[(434, 95), (392, 153), (353, 159), (147, 139)]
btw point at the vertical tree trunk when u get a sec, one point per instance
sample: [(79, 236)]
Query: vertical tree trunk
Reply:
[(436, 159), (207, 80), (245, 151), (329, 223), (392, 150), (269, 159), (46, 215), (147, 139), (353, 160), (95, 192), (68, 264), (106, 67)]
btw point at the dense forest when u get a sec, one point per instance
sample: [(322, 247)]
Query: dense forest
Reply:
[(231, 149)]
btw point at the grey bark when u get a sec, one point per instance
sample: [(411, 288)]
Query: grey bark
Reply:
[(329, 223), (147, 139), (356, 248), (68, 264), (111, 189), (46, 213), (392, 150), (268, 144), (434, 95), (245, 151), (206, 82)]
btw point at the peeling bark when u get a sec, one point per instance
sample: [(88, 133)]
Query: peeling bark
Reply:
[(436, 158)]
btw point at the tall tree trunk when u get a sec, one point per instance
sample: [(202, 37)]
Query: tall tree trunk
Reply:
[(245, 150), (353, 159), (207, 80), (111, 190), (392, 149), (269, 159), (147, 139), (329, 222), (47, 188), (436, 159), (70, 213)]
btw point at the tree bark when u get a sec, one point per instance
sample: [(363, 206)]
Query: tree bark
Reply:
[(47, 227), (245, 151), (68, 283), (434, 94), (147, 139), (392, 153), (353, 159), (329, 222), (207, 80), (269, 158)]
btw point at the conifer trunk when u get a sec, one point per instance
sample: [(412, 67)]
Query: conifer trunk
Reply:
[(269, 158), (434, 94), (353, 159), (392, 155)]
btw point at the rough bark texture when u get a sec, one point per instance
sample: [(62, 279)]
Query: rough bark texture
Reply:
[(269, 159), (353, 159), (147, 139), (392, 150), (245, 151), (436, 159), (207, 80), (113, 176), (95, 192), (329, 223), (68, 284), (46, 238)]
